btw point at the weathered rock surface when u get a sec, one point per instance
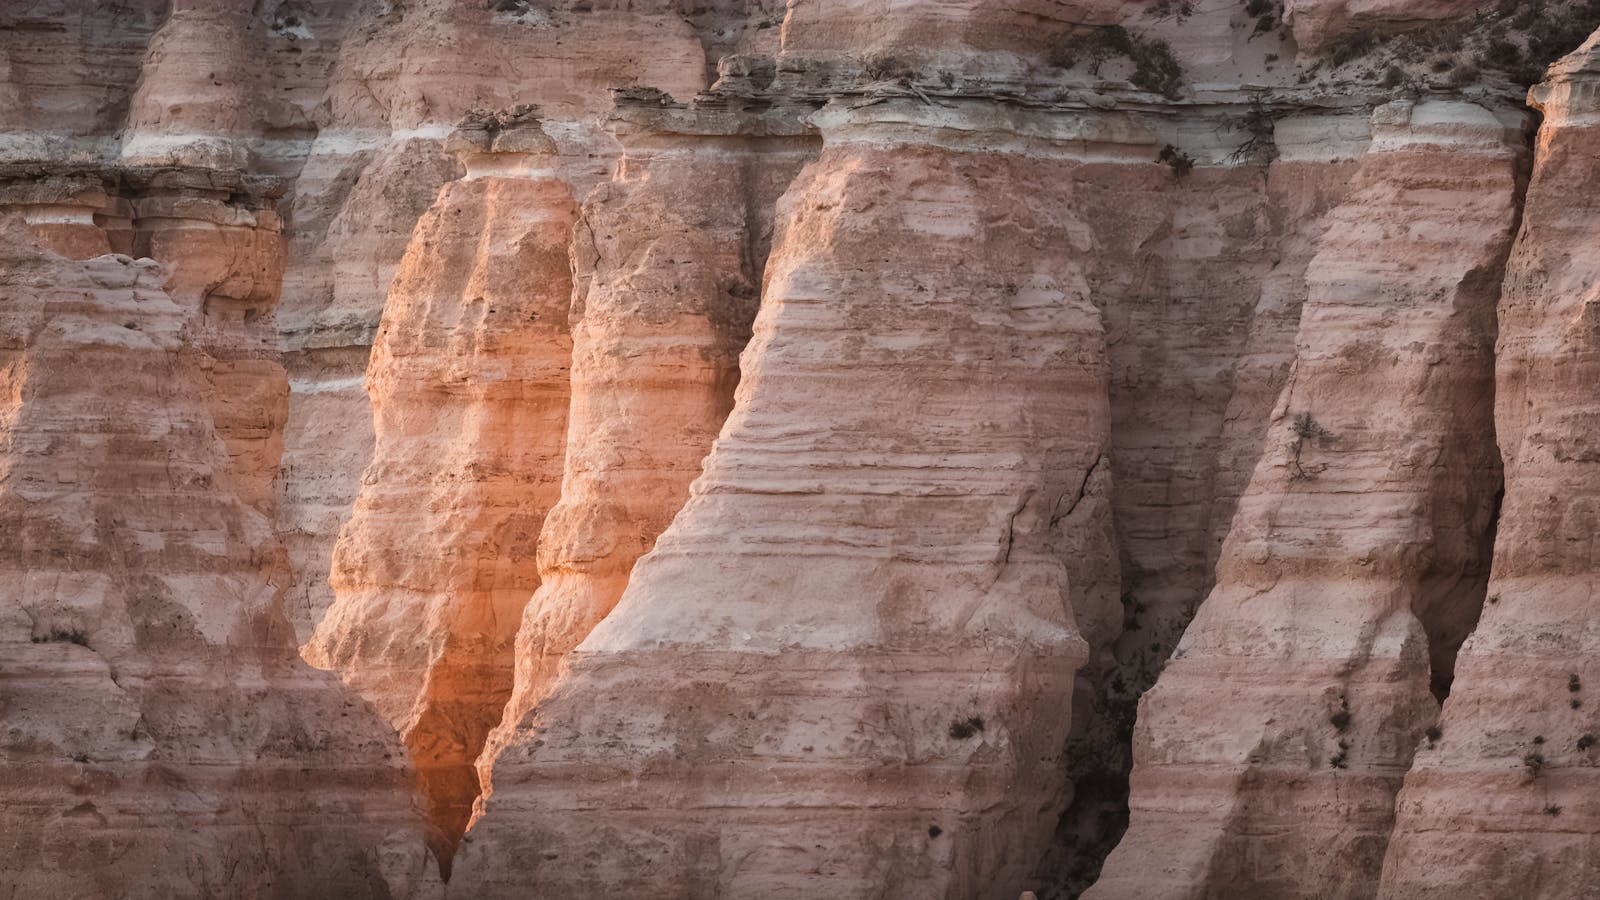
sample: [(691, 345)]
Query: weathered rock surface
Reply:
[(1358, 550), (1090, 311), (758, 641), (161, 736), (469, 386), (1503, 797), (658, 321)]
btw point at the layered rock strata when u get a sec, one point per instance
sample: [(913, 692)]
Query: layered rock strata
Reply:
[(658, 320), (469, 385), (1356, 560), (161, 736), (402, 79), (848, 662), (1501, 795)]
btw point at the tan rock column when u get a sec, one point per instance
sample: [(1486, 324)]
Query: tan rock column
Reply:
[(667, 258), (469, 385), (1269, 752), (201, 95), (1506, 803), (161, 737), (845, 669)]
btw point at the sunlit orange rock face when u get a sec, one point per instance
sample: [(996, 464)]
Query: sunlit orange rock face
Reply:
[(469, 386), (758, 640), (659, 318), (795, 448)]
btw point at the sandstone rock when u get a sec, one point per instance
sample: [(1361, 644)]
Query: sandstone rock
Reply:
[(161, 736), (402, 80), (853, 646), (1356, 553), (1318, 24), (659, 318), (469, 385), (1499, 804)]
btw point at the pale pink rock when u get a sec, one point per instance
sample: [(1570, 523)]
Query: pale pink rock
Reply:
[(659, 318), (848, 662), (1318, 24), (1502, 804), (1356, 553), (161, 736)]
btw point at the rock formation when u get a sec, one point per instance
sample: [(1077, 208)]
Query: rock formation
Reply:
[(1313, 651), (658, 321), (469, 383), (1499, 794), (794, 447), (161, 735)]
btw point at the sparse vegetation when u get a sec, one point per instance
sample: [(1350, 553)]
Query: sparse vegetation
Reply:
[(1267, 13), (1519, 39), (961, 729), (1260, 127), (1533, 763), (1155, 69), (62, 635), (1552, 810), (1341, 717), (1173, 9), (1433, 734), (1586, 741), (1305, 428), (934, 831), (1178, 161), (1574, 683), (1341, 760), (886, 67)]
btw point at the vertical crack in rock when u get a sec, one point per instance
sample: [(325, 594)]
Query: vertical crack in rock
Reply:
[(469, 384), (660, 316), (1310, 651), (1506, 794), (832, 685), (1206, 273)]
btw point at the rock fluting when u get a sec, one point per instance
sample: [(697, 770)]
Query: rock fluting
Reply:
[(795, 447), (1358, 550), (469, 385), (1500, 794), (802, 581), (161, 735)]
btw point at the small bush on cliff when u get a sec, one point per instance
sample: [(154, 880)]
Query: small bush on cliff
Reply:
[(1173, 9), (1341, 760), (1267, 13), (1155, 69), (1433, 734), (1304, 428), (1533, 763), (59, 635), (1178, 161), (1586, 741), (961, 729), (1552, 810), (1574, 683), (1341, 717)]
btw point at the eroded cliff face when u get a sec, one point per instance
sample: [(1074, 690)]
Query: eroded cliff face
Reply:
[(778, 449), (161, 735)]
